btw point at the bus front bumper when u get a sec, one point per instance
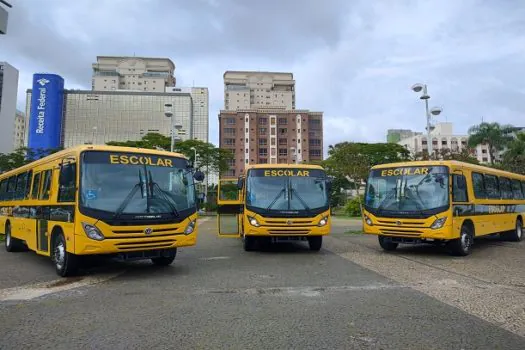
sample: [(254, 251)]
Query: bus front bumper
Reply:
[(117, 245)]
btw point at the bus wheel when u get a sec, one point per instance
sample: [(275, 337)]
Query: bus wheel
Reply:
[(249, 243), (515, 235), (165, 260), (65, 263), (463, 245), (387, 244), (11, 244), (315, 243)]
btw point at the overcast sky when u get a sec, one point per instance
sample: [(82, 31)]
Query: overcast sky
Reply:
[(353, 60)]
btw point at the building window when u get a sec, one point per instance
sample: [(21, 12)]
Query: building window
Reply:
[(263, 160), (283, 152), (283, 131), (229, 142), (283, 121), (263, 142), (424, 142), (229, 131), (273, 141), (263, 131), (315, 153), (263, 121), (283, 142), (315, 142), (314, 123), (272, 131), (263, 152), (230, 121)]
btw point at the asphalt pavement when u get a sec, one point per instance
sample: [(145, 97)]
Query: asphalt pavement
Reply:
[(216, 296)]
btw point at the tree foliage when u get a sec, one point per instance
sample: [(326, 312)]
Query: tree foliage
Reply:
[(208, 156), (514, 157), (22, 156), (494, 135)]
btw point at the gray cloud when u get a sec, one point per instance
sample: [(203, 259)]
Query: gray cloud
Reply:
[(355, 61)]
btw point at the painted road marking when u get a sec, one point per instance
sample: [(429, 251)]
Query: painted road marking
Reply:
[(32, 291), (216, 258)]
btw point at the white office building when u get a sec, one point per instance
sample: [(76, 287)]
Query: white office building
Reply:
[(443, 137), (20, 129), (8, 95)]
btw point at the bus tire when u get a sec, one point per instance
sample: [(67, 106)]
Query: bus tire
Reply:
[(387, 244), (12, 244), (315, 243), (66, 263), (165, 260), (515, 235), (462, 245), (249, 243)]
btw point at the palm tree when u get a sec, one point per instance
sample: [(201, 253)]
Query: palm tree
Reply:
[(494, 135), (514, 156)]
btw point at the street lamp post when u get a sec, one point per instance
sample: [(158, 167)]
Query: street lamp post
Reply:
[(174, 127), (428, 113), (93, 137)]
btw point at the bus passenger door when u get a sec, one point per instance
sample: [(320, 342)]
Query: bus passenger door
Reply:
[(229, 208)]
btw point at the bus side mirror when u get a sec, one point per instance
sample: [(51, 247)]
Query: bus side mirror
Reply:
[(329, 185), (198, 176), (240, 184)]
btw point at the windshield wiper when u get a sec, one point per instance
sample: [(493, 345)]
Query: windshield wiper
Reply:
[(276, 198), (293, 190), (129, 197), (153, 186)]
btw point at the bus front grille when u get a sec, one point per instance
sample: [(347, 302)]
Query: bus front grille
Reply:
[(156, 244), (289, 232), (411, 233), (288, 223)]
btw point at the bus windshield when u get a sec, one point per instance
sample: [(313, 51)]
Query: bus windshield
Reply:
[(136, 184), (287, 190), (422, 190)]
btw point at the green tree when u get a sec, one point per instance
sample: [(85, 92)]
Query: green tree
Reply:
[(514, 156), (208, 156), (22, 156), (494, 135), (352, 160)]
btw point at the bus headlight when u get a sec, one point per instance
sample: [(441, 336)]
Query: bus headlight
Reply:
[(92, 232), (323, 221), (253, 221), (438, 223), (190, 228), (368, 221)]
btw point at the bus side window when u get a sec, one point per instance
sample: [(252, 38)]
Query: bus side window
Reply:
[(479, 187), (459, 188), (67, 183), (11, 185), (492, 186), (36, 185), (21, 180), (516, 189), (46, 186), (28, 184), (3, 189)]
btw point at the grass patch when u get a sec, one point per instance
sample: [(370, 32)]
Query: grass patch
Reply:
[(2, 237), (353, 232)]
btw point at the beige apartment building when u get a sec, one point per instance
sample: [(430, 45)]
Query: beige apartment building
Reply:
[(111, 73), (251, 90), (270, 135), (19, 133)]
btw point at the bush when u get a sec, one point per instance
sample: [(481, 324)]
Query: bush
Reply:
[(352, 207)]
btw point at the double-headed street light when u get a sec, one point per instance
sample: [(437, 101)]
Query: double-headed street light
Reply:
[(428, 113), (175, 128)]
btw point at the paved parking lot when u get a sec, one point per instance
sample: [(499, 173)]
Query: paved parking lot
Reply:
[(351, 295)]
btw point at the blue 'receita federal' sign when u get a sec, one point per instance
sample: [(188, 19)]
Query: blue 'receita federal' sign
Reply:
[(45, 120)]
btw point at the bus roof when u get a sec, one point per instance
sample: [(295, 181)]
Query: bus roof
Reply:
[(455, 163), (283, 166), (81, 148)]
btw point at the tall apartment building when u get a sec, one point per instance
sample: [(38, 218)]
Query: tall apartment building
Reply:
[(19, 132), (8, 94), (272, 136), (251, 90), (112, 73)]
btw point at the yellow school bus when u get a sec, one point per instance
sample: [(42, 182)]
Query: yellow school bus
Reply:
[(274, 203), (129, 203), (442, 202)]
